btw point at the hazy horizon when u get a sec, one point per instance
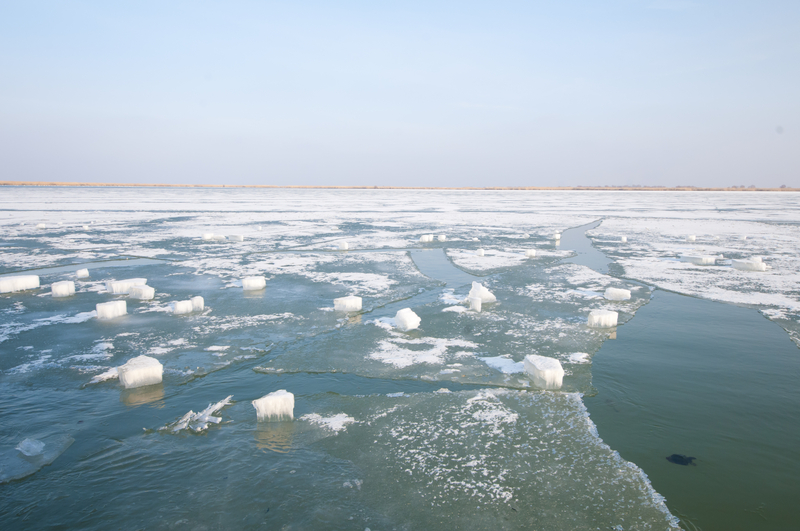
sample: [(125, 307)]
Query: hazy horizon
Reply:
[(665, 92)]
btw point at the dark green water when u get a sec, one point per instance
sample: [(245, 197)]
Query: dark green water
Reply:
[(711, 381)]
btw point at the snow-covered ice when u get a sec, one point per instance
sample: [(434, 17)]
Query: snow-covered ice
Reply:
[(406, 319)]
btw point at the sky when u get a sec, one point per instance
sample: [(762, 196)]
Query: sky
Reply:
[(432, 93)]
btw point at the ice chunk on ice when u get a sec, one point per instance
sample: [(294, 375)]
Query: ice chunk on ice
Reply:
[(479, 291), (557, 236), (118, 287), (259, 227), (504, 364), (351, 303), (254, 283), (480, 252), (82, 273), (65, 288), (691, 238), (86, 227), (208, 236), (602, 319), (18, 283), (144, 293), (181, 307), (530, 253), (275, 406), (475, 303), (236, 237), (475, 239), (426, 238), (198, 303), (140, 371), (546, 373), (624, 239), (699, 260), (744, 237), (617, 294), (441, 238), (407, 320), (41, 226), (752, 264), (112, 309), (526, 235), (343, 246), (31, 447)]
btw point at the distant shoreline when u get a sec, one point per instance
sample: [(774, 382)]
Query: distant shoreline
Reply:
[(487, 188)]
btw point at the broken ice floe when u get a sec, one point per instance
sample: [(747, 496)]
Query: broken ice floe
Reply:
[(277, 405), (123, 287), (254, 283), (617, 294), (31, 447), (406, 320), (144, 293), (602, 319), (112, 309), (481, 292), (18, 283), (751, 264), (699, 260), (16, 464), (334, 423), (65, 288), (82, 273), (140, 371), (504, 364), (545, 372), (351, 303), (198, 422)]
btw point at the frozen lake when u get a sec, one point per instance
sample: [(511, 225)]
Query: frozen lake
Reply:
[(432, 428)]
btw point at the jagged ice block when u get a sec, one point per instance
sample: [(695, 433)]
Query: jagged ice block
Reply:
[(482, 293), (112, 309), (18, 283), (546, 373), (407, 320), (65, 288), (140, 371), (351, 303), (275, 406), (602, 319)]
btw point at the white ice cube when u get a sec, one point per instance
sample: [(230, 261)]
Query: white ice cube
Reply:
[(530, 253), (699, 260), (480, 252), (208, 236), (526, 235), (441, 238), (198, 303), (475, 239), (275, 406), (407, 320), (426, 238), (82, 273), (481, 292), (557, 236), (691, 238), (475, 304), (236, 237), (752, 264), (143, 293), (546, 373), (259, 228), (140, 371), (31, 447), (86, 227), (602, 319), (351, 303), (254, 283), (18, 283), (41, 226), (65, 288), (617, 294), (181, 307), (123, 287), (112, 309), (624, 239), (343, 246)]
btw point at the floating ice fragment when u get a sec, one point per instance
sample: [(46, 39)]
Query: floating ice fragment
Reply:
[(18, 283), (426, 238), (557, 236), (112, 309), (526, 235), (475, 304), (691, 238), (41, 226), (86, 227), (236, 238), (82, 273), (546, 373), (480, 252), (119, 287), (259, 227), (140, 371), (504, 364), (407, 320), (752, 264), (602, 319), (699, 260), (275, 406), (479, 291), (335, 423), (195, 304), (441, 238), (343, 246), (254, 283), (744, 237), (199, 421), (617, 294), (144, 293), (31, 447), (624, 239), (198, 303), (475, 239), (351, 303), (207, 236), (530, 253), (65, 288)]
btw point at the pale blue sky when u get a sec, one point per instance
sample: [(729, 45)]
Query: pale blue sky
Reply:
[(401, 93)]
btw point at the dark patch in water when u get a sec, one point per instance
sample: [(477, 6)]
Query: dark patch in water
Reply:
[(679, 459)]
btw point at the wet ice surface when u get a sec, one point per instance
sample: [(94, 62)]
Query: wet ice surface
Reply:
[(463, 439)]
